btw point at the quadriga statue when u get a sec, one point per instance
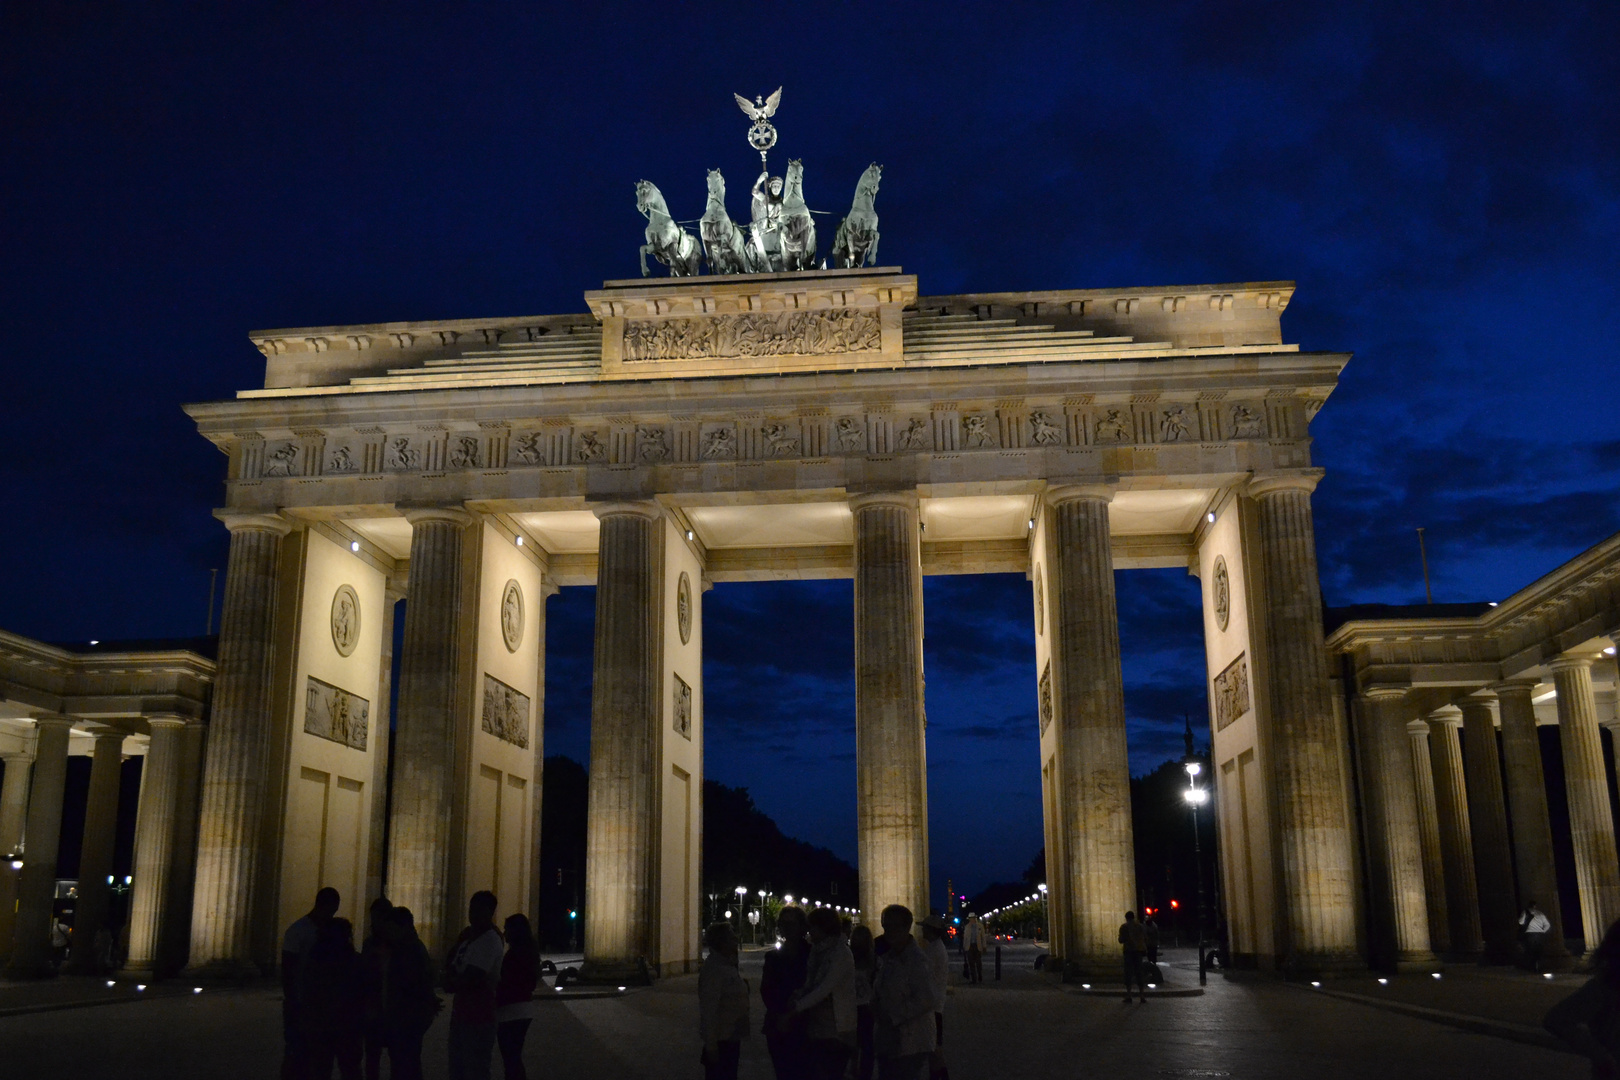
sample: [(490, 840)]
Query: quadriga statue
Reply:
[(725, 244), (856, 243), (666, 241)]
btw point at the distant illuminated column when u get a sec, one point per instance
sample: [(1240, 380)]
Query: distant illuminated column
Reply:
[(1456, 838), (1434, 875), (1394, 848), (1591, 824)]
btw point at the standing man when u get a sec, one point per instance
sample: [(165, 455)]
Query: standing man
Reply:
[(1533, 929), (1133, 939), (470, 974), (973, 941), (902, 1002), (296, 943), (722, 1004), (785, 970)]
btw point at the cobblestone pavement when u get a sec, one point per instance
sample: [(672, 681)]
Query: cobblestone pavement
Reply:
[(1025, 1026)]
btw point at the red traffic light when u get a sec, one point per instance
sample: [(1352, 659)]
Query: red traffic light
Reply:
[(1174, 905)]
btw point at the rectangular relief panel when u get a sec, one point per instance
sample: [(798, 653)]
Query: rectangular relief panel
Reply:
[(506, 712), (1231, 692), (330, 712)]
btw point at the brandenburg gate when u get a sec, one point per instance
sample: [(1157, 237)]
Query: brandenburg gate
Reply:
[(743, 427)]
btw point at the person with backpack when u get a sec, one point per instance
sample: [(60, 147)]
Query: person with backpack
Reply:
[(471, 974), (1133, 942)]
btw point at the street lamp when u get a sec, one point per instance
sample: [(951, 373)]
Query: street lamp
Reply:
[(1196, 797), (742, 898)]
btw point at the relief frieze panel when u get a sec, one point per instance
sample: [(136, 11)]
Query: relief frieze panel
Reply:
[(331, 712), (798, 333), (506, 713), (1231, 692)]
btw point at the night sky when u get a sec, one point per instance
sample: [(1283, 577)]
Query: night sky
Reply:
[(1442, 186)]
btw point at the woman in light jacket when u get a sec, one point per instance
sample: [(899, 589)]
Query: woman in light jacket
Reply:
[(722, 1004), (827, 1000)]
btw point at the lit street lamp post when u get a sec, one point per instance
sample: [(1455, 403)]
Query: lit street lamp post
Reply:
[(1196, 797)]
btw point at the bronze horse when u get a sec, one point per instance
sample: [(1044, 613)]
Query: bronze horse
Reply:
[(666, 241), (856, 243)]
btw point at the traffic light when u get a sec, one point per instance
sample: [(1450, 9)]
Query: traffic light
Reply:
[(573, 914), (1174, 905)]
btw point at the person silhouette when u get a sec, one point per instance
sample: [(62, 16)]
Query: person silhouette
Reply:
[(295, 946), (470, 974), (330, 996), (514, 994)]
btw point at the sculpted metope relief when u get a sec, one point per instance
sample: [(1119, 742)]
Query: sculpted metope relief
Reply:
[(345, 620)]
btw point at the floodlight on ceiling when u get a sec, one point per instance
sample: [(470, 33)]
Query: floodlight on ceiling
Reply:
[(1210, 517), (519, 541), (354, 545)]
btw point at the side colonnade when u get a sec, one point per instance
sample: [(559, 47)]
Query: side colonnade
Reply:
[(1460, 827)]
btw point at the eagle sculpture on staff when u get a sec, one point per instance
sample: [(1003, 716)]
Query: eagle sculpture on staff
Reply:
[(762, 136)]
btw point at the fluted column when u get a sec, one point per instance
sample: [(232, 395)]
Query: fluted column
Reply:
[(176, 935), (13, 812), (1456, 837), (1591, 824), (235, 783), (891, 801), (154, 843), (381, 727), (96, 849), (430, 689), (1307, 741), (31, 940), (1487, 819), (620, 826), (1434, 875), (1088, 710), (1394, 847), (1527, 802)]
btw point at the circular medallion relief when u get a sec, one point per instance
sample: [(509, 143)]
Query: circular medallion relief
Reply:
[(1040, 603), (345, 619), (683, 607), (1222, 588), (512, 615)]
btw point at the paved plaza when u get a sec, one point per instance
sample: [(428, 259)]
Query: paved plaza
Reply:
[(1024, 1027)]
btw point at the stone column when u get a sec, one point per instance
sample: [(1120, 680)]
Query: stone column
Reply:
[(234, 784), (425, 737), (1487, 819), (621, 905), (1456, 838), (183, 865), (154, 843), (36, 889), (891, 778), (1590, 820), (1088, 707), (1434, 875), (96, 851), (1307, 742), (1527, 801), (537, 788), (13, 812), (377, 856), (1394, 849)]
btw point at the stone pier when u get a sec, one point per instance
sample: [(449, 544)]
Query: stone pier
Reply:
[(620, 830), (230, 827), (891, 787), (1590, 819)]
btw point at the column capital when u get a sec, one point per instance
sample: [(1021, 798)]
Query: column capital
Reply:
[(241, 522), (53, 720), (101, 731), (1058, 494), (455, 515), (1418, 727), (651, 509), (165, 720), (1570, 663), (1262, 484), (905, 499), (1446, 714), (1506, 687), (1382, 692)]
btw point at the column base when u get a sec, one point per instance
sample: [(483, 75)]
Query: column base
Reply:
[(1304, 966), (34, 970), (1417, 963), (616, 972), (226, 971)]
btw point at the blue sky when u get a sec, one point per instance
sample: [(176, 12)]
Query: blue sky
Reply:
[(1443, 183)]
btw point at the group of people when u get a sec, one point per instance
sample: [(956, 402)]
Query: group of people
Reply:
[(345, 1008), (833, 995)]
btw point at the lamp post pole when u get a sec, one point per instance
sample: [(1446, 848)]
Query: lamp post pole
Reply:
[(1196, 797)]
